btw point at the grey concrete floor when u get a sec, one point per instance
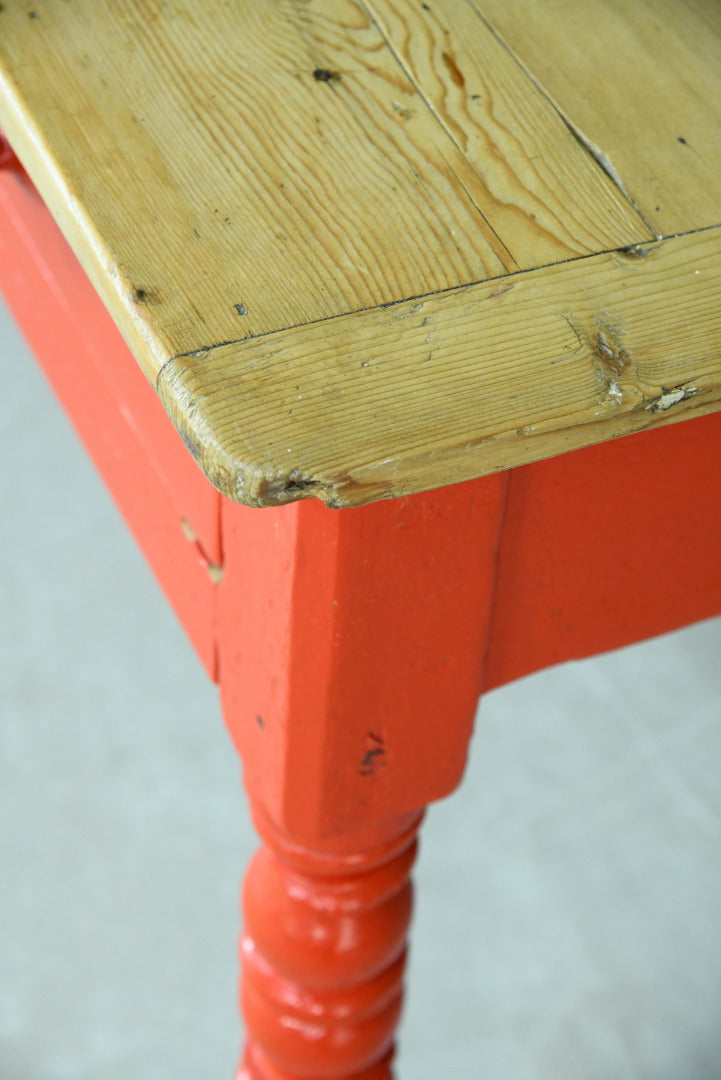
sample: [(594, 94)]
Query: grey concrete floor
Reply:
[(569, 895)]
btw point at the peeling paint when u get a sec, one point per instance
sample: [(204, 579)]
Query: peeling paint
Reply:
[(214, 570)]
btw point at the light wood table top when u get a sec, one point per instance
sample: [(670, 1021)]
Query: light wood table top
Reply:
[(368, 247)]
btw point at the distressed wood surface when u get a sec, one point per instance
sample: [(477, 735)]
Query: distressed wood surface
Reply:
[(511, 371), (262, 194)]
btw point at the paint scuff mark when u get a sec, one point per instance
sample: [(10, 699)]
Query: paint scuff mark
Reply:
[(214, 570), (615, 392), (610, 356), (374, 758), (597, 153)]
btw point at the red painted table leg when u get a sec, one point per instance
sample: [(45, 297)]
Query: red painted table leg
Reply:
[(323, 954), (351, 660)]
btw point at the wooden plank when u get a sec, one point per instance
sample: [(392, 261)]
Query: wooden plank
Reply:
[(216, 184), (430, 392), (540, 189), (200, 170), (640, 81)]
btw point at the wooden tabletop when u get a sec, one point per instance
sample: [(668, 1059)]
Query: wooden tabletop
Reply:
[(369, 247)]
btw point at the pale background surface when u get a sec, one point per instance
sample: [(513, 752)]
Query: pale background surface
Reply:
[(569, 895)]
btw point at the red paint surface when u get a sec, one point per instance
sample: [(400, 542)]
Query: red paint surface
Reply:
[(608, 545), (94, 332), (8, 160), (352, 648), (323, 954), (77, 345), (351, 660), (256, 1066)]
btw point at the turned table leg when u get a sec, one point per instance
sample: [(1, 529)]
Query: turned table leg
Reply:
[(351, 662), (323, 954)]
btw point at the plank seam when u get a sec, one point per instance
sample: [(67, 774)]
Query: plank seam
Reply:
[(602, 160), (636, 248), (505, 254)]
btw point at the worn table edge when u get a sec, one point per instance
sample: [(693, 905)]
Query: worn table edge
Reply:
[(610, 345)]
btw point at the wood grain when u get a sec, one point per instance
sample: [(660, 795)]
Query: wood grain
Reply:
[(200, 169), (542, 192), (640, 82), (434, 391), (228, 172)]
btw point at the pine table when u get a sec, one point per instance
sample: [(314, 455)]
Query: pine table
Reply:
[(398, 273)]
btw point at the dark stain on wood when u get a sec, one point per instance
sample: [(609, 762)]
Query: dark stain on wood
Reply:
[(453, 70), (191, 444), (326, 76)]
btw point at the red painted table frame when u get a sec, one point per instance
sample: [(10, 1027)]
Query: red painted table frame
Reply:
[(351, 646)]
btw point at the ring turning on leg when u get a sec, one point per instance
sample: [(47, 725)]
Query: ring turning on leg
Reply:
[(323, 955)]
